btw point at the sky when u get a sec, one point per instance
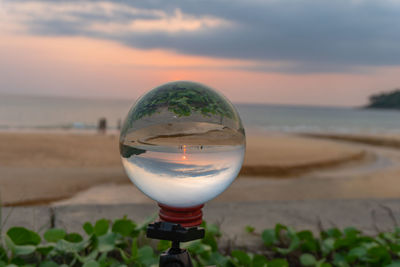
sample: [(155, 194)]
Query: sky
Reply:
[(303, 52)]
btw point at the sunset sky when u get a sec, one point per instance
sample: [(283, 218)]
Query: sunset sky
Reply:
[(307, 52)]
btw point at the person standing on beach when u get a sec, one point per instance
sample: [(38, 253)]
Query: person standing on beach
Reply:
[(102, 126)]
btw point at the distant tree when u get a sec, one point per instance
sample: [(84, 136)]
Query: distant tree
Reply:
[(389, 100)]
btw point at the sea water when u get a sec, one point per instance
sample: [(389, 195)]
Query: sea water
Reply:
[(56, 113), (184, 175)]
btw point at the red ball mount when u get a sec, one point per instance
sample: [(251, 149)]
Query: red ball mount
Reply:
[(187, 217)]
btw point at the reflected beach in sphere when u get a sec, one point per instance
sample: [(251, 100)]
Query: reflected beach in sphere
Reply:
[(182, 144)]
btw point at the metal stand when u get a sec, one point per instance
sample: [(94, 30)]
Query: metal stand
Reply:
[(175, 256)]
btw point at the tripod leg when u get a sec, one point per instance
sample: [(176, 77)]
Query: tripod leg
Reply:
[(172, 259)]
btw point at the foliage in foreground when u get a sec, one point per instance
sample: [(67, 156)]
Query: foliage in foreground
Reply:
[(123, 243)]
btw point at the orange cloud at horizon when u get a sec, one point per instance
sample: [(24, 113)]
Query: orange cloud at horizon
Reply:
[(89, 67)]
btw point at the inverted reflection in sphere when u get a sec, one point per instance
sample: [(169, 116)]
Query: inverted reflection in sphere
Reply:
[(182, 144)]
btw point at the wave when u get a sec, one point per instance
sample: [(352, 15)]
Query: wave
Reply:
[(301, 129), (75, 126)]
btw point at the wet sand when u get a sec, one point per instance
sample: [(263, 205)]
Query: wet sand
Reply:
[(376, 177), (37, 168)]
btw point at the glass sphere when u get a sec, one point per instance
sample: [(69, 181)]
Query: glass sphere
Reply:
[(182, 144)]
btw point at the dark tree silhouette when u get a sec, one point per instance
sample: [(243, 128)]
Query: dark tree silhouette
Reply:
[(388, 100)]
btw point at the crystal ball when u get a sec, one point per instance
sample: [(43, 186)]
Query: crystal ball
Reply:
[(182, 144)]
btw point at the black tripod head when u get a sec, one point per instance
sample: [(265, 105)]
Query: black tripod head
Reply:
[(175, 256)]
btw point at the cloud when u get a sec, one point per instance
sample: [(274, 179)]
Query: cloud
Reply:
[(167, 24), (302, 36)]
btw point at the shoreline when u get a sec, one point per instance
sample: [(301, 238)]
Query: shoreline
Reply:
[(380, 141), (42, 168), (299, 169)]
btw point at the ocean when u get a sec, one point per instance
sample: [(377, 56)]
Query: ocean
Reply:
[(42, 113)]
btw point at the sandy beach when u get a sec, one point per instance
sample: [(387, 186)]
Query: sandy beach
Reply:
[(43, 168)]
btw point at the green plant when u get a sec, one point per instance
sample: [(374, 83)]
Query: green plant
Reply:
[(123, 243), (333, 247)]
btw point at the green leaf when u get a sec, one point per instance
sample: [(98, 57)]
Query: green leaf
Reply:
[(88, 227), (107, 242), (308, 244), (249, 229), (278, 263), (91, 263), (397, 231), (394, 264), (351, 231), (91, 256), (242, 257), (218, 259), (307, 259), (346, 242), (3, 254), (73, 238), (278, 228), (294, 242), (101, 227), (340, 260), (268, 237), (124, 227), (163, 245), (146, 256), (44, 250), (197, 247), (53, 235), (356, 253), (23, 236), (305, 235), (259, 261), (19, 250), (395, 248), (69, 247), (48, 264), (327, 246), (209, 239), (333, 232), (379, 255), (212, 229), (24, 250)]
